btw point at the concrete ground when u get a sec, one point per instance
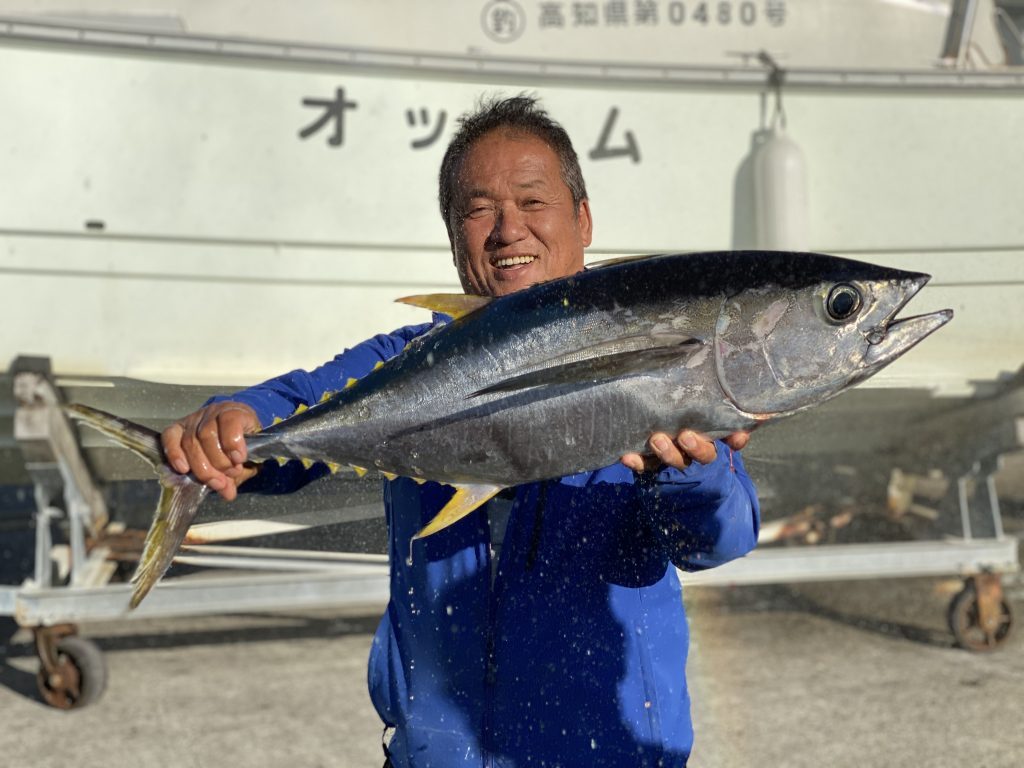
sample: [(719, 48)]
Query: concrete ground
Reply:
[(851, 674)]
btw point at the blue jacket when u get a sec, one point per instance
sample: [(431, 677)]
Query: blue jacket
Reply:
[(574, 652)]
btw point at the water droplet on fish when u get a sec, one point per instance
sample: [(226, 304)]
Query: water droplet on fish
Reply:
[(430, 358), (415, 455), (411, 590), (449, 610), (408, 561), (593, 744)]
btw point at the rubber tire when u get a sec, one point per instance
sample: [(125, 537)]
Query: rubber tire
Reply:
[(963, 617), (88, 659)]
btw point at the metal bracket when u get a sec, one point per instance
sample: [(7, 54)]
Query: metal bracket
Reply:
[(63, 483), (976, 496)]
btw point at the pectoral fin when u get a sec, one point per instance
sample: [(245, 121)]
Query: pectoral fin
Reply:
[(601, 367), (466, 499)]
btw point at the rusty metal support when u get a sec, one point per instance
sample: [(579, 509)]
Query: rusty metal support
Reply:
[(60, 681)]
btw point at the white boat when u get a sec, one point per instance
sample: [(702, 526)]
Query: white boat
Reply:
[(220, 192), (170, 213)]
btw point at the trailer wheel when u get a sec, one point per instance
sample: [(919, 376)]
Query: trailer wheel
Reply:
[(77, 675), (980, 623)]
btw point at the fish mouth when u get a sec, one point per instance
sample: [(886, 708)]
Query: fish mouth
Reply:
[(901, 335), (892, 337)]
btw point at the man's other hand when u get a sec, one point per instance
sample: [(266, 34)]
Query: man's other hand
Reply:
[(688, 446)]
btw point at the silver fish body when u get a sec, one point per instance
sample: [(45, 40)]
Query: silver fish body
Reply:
[(571, 374)]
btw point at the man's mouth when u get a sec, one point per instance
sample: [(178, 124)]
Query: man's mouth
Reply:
[(513, 261)]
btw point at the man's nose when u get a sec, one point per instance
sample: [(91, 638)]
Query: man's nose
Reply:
[(509, 224)]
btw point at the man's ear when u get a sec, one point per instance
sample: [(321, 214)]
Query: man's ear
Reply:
[(451, 242), (585, 222)]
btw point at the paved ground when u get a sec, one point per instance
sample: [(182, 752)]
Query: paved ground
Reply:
[(855, 674)]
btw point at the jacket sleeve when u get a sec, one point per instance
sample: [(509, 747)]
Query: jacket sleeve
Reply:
[(280, 396), (709, 514)]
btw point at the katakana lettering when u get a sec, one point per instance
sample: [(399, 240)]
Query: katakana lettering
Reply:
[(426, 141), (333, 110), (603, 152)]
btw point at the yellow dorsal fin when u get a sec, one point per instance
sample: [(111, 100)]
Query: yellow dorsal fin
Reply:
[(454, 304), (466, 499), (361, 471)]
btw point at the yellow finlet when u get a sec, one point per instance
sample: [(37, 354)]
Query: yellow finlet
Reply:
[(389, 475), (327, 395), (361, 471), (378, 364), (351, 383), (281, 460), (455, 305), (300, 408), (466, 499), (277, 420), (307, 463), (333, 466)]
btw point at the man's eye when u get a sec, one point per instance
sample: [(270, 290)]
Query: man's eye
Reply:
[(476, 211), (533, 203)]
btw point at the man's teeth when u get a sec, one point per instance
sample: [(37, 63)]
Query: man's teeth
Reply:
[(513, 261)]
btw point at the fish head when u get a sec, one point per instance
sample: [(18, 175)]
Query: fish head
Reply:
[(783, 347)]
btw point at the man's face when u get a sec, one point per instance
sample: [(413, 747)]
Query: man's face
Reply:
[(513, 220)]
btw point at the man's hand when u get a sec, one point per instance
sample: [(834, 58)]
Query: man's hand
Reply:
[(210, 444), (688, 446)]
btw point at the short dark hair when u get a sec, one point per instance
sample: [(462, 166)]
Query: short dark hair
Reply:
[(518, 114)]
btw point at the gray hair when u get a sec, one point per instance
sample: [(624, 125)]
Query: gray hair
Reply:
[(518, 113)]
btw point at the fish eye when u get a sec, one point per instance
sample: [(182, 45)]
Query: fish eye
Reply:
[(843, 302)]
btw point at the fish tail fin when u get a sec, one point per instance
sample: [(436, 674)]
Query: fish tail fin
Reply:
[(140, 440), (180, 495)]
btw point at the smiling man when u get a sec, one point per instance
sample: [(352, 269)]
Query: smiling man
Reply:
[(513, 217), (547, 627)]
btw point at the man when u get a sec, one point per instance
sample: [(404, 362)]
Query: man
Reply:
[(547, 628)]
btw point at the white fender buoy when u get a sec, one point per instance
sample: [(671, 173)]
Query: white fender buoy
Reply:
[(779, 178)]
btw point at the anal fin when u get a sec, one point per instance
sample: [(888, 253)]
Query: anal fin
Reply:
[(466, 499)]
